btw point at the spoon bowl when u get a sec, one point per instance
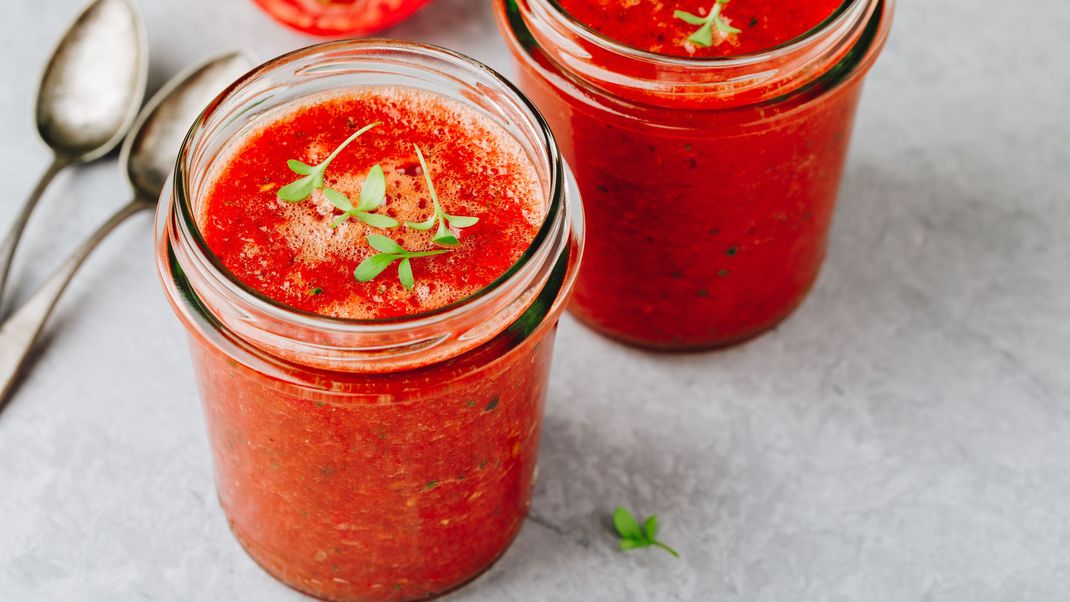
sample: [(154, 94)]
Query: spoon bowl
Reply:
[(94, 83), (149, 152)]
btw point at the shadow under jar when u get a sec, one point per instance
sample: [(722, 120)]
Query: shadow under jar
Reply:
[(387, 459), (708, 183)]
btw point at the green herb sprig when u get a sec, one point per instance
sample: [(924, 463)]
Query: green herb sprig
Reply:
[(312, 176), (442, 236), (633, 536), (372, 196), (389, 252), (704, 35)]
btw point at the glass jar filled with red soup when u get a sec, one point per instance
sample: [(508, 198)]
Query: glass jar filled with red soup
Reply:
[(708, 138), (370, 244)]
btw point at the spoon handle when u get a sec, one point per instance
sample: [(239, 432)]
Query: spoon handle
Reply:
[(19, 333), (7, 249)]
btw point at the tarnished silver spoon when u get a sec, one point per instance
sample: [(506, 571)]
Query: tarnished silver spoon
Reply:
[(88, 98), (147, 157)]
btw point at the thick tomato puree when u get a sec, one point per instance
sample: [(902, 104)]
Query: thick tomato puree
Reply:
[(375, 486), (650, 24), (289, 253), (707, 220)]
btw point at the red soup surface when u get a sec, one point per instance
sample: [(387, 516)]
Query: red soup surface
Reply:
[(651, 25), (707, 219), (290, 253), (396, 485)]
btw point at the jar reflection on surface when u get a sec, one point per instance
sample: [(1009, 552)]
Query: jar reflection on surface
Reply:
[(709, 185), (379, 459)]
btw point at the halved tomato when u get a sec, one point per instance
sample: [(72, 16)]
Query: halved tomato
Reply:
[(340, 17)]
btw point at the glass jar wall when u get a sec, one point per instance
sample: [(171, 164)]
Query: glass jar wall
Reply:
[(709, 184), (371, 459)]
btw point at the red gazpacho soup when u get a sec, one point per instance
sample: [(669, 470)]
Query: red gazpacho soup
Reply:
[(708, 140), (296, 254), (654, 26), (371, 207)]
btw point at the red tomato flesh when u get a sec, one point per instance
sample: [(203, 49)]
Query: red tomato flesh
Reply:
[(340, 17)]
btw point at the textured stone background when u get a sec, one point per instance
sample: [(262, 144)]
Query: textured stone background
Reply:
[(905, 436)]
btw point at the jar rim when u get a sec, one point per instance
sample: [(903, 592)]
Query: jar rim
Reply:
[(618, 71), (553, 219), (736, 60)]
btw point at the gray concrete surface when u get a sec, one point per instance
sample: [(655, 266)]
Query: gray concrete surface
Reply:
[(905, 436)]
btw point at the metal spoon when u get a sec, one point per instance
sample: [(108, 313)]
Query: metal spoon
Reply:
[(88, 97), (148, 157)]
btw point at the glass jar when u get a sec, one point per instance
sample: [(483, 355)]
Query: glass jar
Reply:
[(708, 183), (380, 459)]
